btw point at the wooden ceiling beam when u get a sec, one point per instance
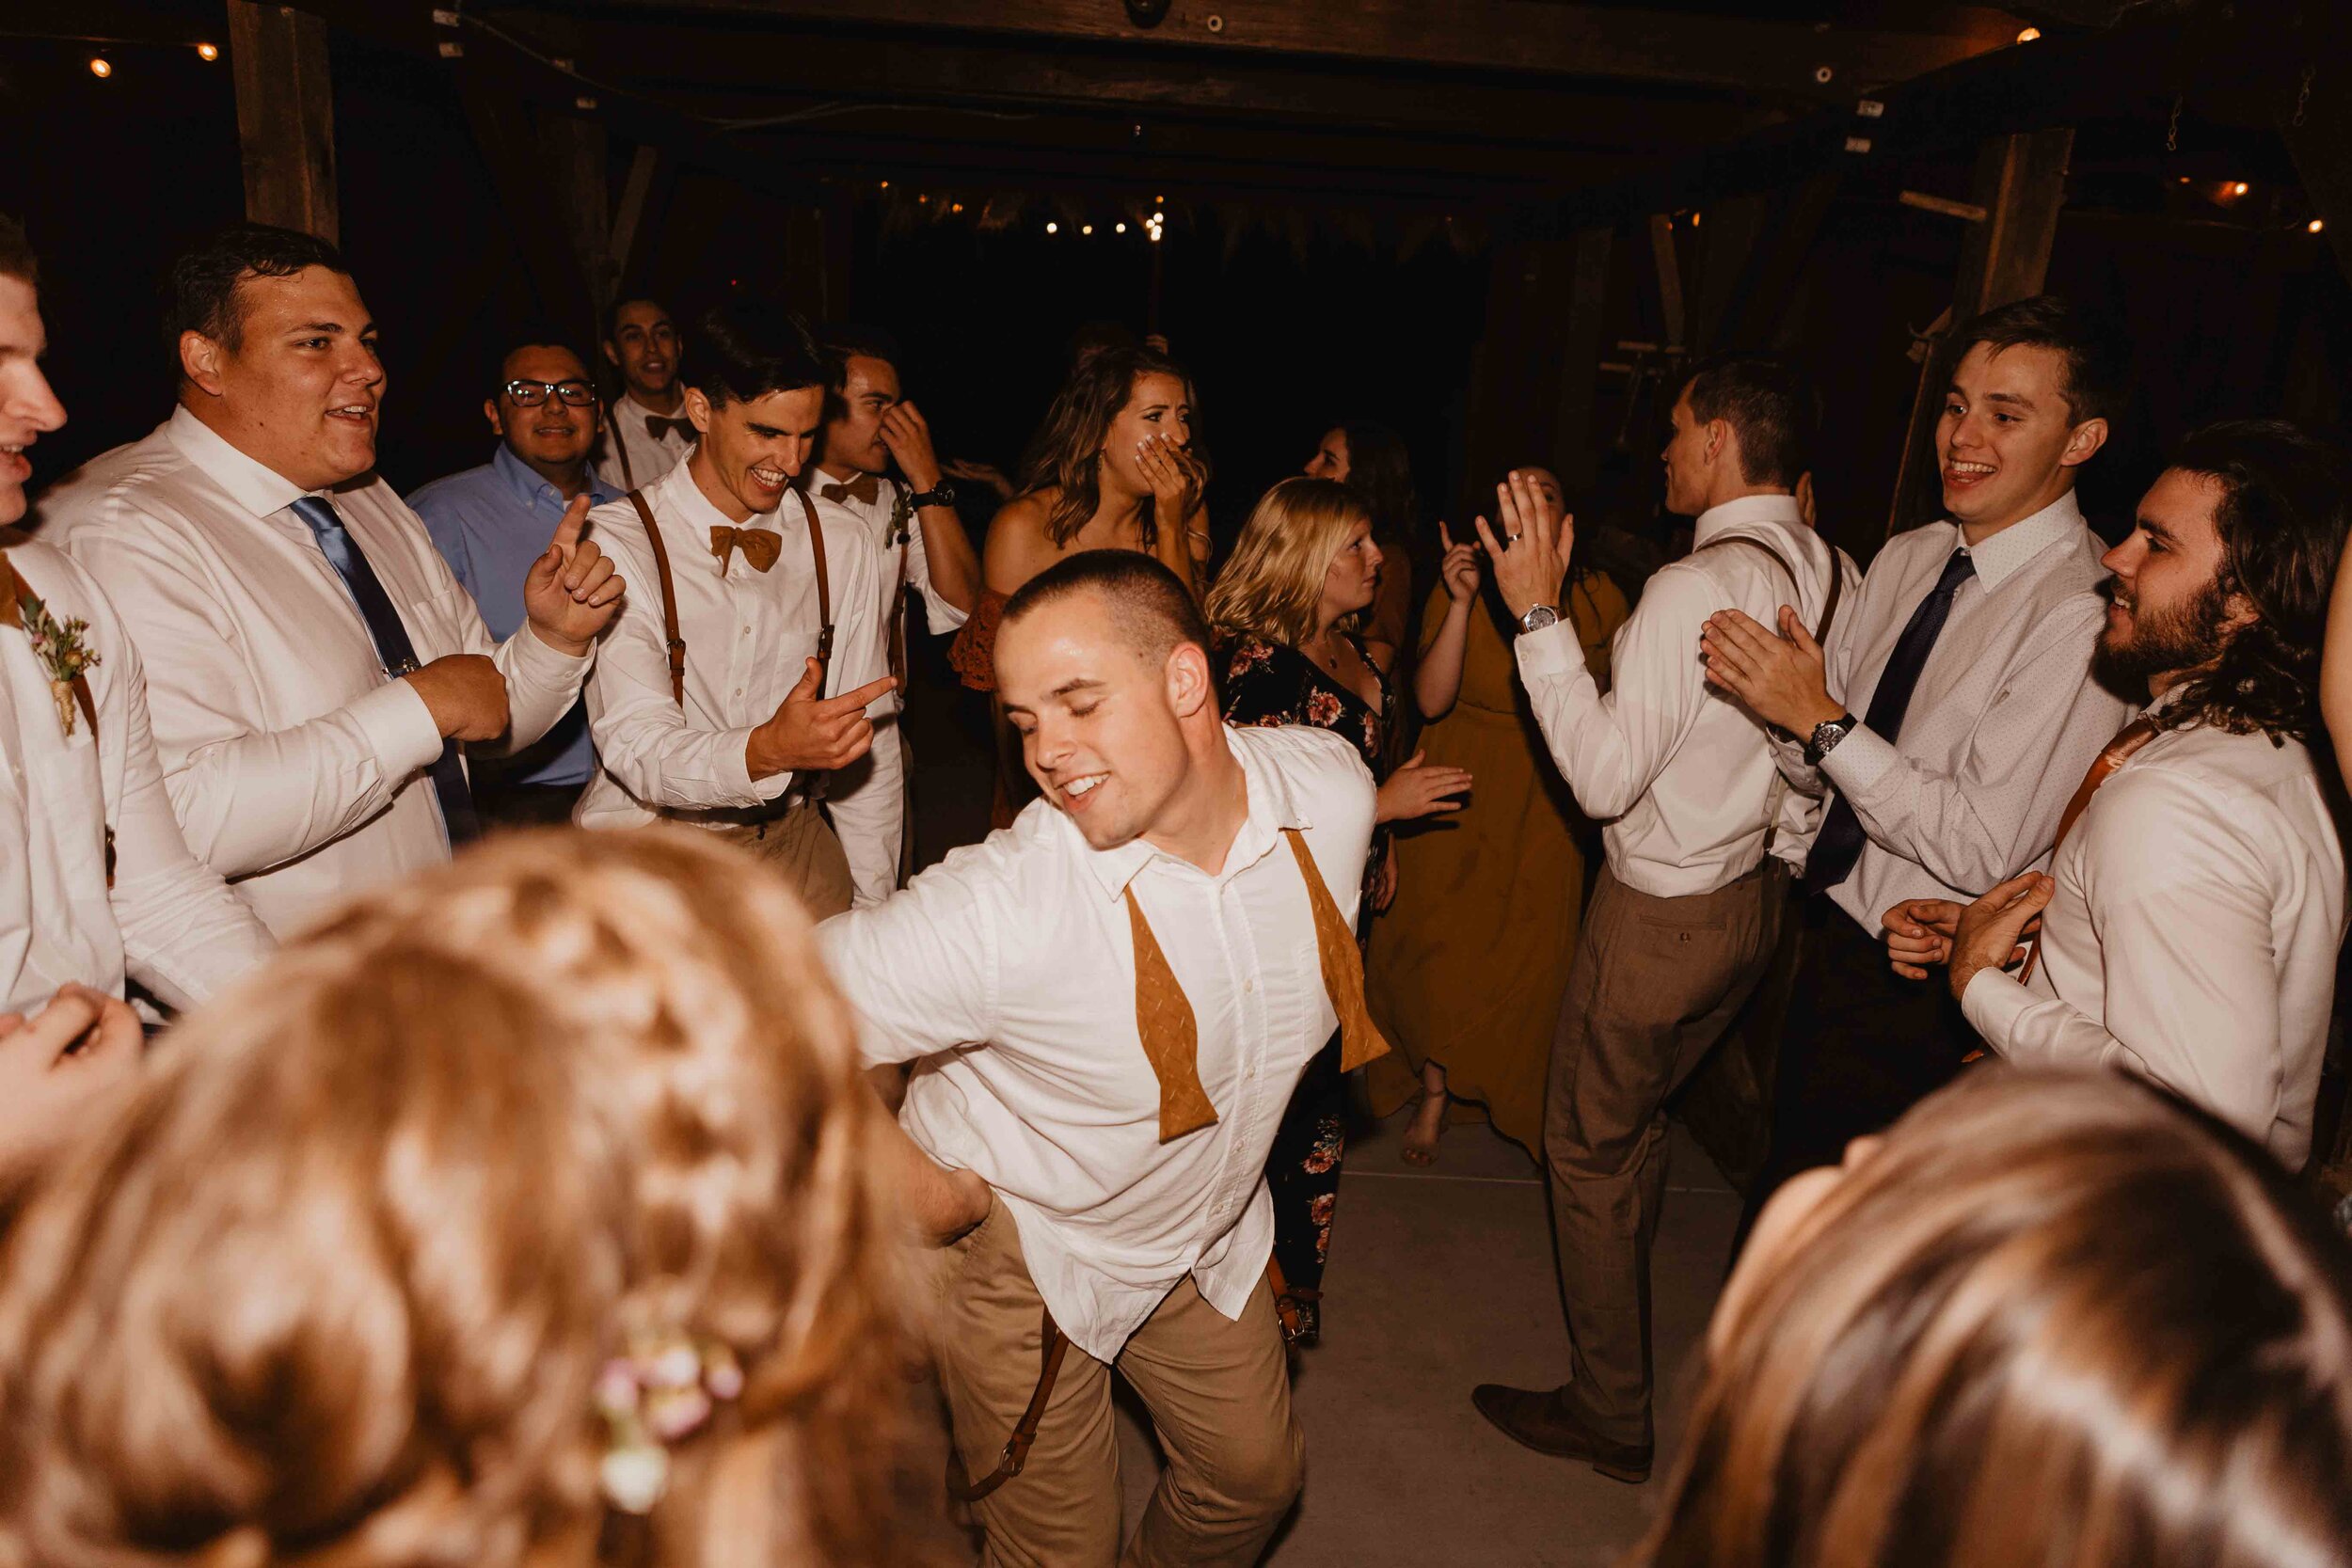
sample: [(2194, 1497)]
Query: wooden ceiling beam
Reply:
[(1540, 36)]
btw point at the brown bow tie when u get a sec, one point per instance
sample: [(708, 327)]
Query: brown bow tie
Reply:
[(660, 428), (1171, 1034), (2102, 766), (866, 490), (760, 546)]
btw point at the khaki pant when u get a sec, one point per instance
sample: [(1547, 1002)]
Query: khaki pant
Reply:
[(1219, 1395), (1654, 984), (801, 846)]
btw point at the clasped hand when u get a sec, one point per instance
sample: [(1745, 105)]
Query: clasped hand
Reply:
[(1781, 678)]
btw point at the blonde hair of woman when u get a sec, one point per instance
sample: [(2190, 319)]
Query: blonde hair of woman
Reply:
[(1271, 586), (2057, 1320), (510, 1196)]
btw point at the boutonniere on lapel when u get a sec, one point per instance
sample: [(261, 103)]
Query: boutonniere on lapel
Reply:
[(902, 514), (60, 649)]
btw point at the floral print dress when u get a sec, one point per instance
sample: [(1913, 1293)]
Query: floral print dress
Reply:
[(1268, 683)]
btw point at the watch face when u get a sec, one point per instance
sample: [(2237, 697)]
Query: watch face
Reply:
[(1538, 618)]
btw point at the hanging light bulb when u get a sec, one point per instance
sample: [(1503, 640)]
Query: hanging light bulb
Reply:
[(100, 67), (1053, 229), (2030, 35), (2238, 187), (208, 52), (1119, 228), (2314, 226), (1086, 229)]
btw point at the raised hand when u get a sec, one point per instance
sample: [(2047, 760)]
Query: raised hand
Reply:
[(1531, 558), (1417, 789), (465, 694), (1989, 930), (1919, 935), (571, 593), (1781, 678), (908, 435), (1176, 477), (1458, 571), (811, 732)]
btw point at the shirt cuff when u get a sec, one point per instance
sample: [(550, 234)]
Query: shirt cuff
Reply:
[(1550, 653), (546, 665), (1860, 761), (735, 773), (399, 727), (1993, 1003)]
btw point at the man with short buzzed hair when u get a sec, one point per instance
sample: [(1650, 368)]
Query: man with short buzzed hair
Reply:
[(649, 432), (1111, 1003)]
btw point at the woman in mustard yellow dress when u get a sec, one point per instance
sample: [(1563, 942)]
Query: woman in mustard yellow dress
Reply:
[(1467, 968)]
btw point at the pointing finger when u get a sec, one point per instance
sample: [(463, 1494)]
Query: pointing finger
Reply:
[(849, 702), (575, 523)]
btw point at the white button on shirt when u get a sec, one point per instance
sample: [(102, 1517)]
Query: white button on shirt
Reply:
[(1681, 774), (168, 920), (2002, 726), (2193, 936), (1010, 969), (295, 766), (648, 459), (748, 637)]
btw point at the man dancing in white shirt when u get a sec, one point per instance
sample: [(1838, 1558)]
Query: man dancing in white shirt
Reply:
[(95, 879), (1110, 1003), (313, 668), (2193, 913), (758, 663), (1688, 910)]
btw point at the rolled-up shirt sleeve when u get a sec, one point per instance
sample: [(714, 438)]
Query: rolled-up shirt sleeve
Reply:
[(2183, 921)]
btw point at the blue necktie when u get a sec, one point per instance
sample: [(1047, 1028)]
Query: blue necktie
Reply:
[(393, 649), (1838, 845)]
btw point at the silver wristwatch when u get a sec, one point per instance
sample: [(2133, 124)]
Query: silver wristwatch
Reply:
[(1537, 618), (1826, 735)]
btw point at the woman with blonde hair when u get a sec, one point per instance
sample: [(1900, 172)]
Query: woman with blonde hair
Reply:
[(1287, 609), (523, 1211), (2056, 1320)]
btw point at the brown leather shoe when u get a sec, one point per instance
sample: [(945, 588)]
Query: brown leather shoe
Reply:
[(1550, 1423)]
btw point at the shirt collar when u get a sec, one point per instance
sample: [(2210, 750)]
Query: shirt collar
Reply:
[(627, 404), (2000, 556), (1273, 809), (694, 508), (253, 485), (1743, 510), (530, 486)]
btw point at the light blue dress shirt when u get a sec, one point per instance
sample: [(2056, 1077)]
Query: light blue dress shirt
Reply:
[(490, 523)]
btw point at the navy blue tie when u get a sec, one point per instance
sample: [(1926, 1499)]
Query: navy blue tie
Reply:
[(1838, 845), (396, 653)]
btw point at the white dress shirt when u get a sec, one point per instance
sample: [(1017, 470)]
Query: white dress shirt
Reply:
[(2002, 726), (297, 767), (170, 920), (2193, 936), (749, 635), (648, 459), (1010, 969), (903, 565), (1680, 774)]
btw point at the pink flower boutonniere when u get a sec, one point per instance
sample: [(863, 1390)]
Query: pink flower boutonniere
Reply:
[(59, 646)]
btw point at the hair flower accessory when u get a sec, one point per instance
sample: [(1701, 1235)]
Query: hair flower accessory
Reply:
[(662, 1388)]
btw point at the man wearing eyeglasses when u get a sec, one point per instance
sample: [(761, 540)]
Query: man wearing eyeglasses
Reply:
[(491, 524)]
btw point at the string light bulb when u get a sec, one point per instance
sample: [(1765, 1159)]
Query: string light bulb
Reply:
[(100, 67), (2238, 187), (2314, 226), (1053, 229), (1086, 229), (885, 184), (1119, 228), (2030, 35), (208, 52)]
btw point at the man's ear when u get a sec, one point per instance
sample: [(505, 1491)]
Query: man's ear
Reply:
[(1719, 437), (698, 410), (490, 412), (201, 360), (1190, 687), (2083, 442), (611, 355)]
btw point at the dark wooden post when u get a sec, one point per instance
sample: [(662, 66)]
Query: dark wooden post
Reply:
[(1572, 445), (2021, 184), (285, 117)]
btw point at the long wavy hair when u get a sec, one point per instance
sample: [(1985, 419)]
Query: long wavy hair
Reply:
[(1066, 454), (2282, 519), (337, 1286), (2057, 1320), (1272, 585)]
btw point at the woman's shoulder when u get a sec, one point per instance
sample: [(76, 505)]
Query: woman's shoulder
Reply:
[(1018, 547), (1244, 654)]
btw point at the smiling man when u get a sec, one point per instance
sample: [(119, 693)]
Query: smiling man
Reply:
[(648, 433), (1111, 1003), (313, 668), (1950, 720), (758, 664), (2193, 913)]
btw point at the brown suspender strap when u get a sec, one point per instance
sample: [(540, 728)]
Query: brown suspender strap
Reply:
[(1015, 1457), (676, 644), (12, 589), (824, 593)]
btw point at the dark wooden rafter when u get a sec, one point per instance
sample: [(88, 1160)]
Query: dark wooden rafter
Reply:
[(1534, 36), (285, 117)]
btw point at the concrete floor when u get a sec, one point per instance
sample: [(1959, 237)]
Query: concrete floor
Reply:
[(1440, 1279)]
